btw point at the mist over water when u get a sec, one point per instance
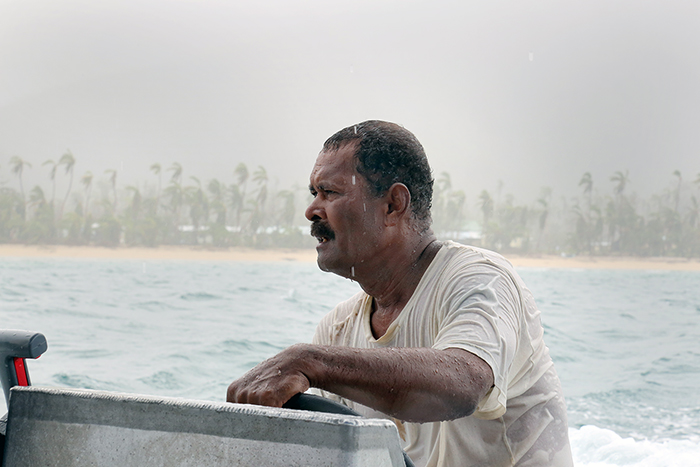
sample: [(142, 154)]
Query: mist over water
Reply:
[(624, 342)]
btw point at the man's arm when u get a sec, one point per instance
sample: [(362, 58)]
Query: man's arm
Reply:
[(411, 384)]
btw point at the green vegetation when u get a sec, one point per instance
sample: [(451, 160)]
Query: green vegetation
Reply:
[(243, 212), (604, 219)]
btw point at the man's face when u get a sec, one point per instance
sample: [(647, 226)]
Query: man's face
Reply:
[(346, 218)]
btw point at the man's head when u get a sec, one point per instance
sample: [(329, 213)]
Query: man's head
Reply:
[(386, 154), (364, 204)]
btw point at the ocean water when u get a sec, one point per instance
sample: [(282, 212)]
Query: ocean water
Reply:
[(626, 344)]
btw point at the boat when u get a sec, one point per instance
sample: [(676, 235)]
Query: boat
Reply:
[(68, 427)]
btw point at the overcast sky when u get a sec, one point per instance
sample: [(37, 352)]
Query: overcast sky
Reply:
[(529, 93)]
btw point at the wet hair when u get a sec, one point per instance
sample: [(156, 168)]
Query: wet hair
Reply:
[(386, 154)]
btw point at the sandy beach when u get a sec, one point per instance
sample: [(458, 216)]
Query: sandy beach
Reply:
[(309, 255)]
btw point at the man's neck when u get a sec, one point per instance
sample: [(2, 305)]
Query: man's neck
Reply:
[(396, 279)]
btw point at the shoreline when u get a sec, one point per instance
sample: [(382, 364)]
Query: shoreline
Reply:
[(190, 253)]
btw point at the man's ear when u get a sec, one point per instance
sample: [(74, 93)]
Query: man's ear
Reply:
[(398, 203)]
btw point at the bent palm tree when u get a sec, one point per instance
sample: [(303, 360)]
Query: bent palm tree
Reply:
[(69, 162), (86, 180), (176, 169), (18, 164), (677, 194), (621, 180), (587, 183), (486, 206), (113, 181), (52, 177), (258, 215), (155, 168)]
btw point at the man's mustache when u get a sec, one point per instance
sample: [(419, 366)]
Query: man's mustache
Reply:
[(322, 230)]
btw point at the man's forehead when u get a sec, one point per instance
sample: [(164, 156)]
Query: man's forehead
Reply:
[(335, 162)]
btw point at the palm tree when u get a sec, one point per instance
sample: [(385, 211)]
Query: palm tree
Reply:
[(614, 209), (52, 177), (260, 177), (622, 179), (287, 214), (237, 192), (175, 196), (41, 228), (68, 161), (113, 181), (217, 229), (86, 180), (199, 206), (236, 202), (486, 206), (693, 212), (217, 190), (135, 201), (176, 169), (36, 197), (18, 164), (677, 194), (444, 183), (241, 173), (439, 210), (545, 195), (581, 237), (455, 210), (132, 219), (587, 183), (155, 168)]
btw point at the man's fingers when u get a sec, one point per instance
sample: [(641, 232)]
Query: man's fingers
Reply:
[(271, 392), (264, 397)]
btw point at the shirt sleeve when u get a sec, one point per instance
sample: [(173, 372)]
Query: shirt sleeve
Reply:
[(479, 314)]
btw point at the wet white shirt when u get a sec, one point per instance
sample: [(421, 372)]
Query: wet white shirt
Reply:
[(472, 299)]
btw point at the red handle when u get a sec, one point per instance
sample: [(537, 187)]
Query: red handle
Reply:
[(21, 372)]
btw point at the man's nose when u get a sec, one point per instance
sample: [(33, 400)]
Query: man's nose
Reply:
[(314, 210)]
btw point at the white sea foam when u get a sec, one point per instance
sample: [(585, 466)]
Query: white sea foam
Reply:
[(599, 447)]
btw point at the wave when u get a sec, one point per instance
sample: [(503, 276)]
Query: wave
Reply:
[(598, 447)]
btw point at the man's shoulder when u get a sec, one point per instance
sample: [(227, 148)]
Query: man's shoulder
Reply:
[(472, 255), (464, 267)]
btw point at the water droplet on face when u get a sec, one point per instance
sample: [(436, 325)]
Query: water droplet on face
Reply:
[(352, 271), (353, 179), (364, 206)]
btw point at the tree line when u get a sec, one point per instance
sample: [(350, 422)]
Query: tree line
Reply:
[(246, 210), (176, 211)]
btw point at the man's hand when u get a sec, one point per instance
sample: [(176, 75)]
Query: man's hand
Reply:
[(271, 383)]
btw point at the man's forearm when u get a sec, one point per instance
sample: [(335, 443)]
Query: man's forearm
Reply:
[(411, 384)]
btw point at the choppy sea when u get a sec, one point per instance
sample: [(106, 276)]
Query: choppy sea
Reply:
[(626, 343)]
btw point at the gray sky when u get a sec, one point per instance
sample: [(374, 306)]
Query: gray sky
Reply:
[(529, 93)]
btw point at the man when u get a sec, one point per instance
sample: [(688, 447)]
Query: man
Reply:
[(444, 338)]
